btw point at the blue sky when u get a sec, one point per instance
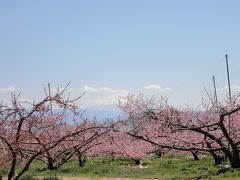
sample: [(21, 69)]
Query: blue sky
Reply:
[(108, 48)]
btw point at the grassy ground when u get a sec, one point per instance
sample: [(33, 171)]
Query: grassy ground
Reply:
[(153, 168)]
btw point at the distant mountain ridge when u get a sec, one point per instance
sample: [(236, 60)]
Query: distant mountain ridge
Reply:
[(97, 114), (103, 114)]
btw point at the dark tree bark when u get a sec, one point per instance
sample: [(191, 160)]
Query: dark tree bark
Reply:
[(51, 164), (137, 161), (158, 153), (217, 159), (81, 160), (195, 156)]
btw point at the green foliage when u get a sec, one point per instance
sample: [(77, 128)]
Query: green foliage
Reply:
[(3, 172), (176, 167)]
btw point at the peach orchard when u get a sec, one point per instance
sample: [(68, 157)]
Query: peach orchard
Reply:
[(32, 131)]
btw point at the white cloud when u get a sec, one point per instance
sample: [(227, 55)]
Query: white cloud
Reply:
[(106, 89), (103, 96), (9, 89), (89, 89), (157, 87), (107, 96), (111, 98)]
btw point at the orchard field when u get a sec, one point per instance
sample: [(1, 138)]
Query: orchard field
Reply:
[(177, 167), (119, 89), (50, 139)]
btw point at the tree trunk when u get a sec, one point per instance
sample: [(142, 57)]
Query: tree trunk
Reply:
[(234, 159), (81, 160), (112, 156), (233, 156), (235, 163), (158, 153), (217, 159), (137, 161), (195, 156), (11, 173), (51, 164)]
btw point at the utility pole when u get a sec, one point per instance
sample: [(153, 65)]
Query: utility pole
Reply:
[(49, 91), (215, 91), (229, 85)]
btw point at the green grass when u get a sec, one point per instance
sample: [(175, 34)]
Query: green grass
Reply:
[(178, 167), (27, 177)]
